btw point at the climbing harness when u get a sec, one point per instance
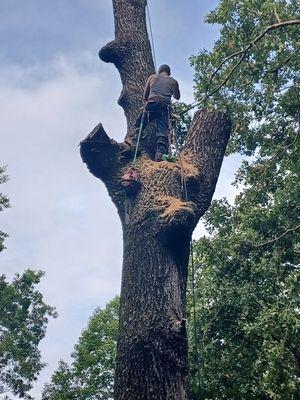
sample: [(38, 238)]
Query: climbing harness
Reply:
[(131, 181), (131, 184)]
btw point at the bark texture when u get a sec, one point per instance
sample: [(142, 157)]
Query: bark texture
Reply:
[(152, 343), (130, 52)]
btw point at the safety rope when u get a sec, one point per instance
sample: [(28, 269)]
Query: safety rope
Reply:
[(151, 35), (196, 337), (184, 189), (195, 103), (183, 180), (138, 138)]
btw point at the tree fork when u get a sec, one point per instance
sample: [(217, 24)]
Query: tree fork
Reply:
[(152, 342)]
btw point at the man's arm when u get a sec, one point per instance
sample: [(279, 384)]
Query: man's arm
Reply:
[(176, 93)]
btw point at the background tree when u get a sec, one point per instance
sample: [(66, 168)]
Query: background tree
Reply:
[(152, 341), (253, 72), (23, 322), (247, 278), (247, 275), (4, 203), (91, 374)]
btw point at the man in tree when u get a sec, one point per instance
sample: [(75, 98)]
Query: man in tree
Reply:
[(157, 95)]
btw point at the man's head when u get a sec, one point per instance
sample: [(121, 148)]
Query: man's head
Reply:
[(164, 68)]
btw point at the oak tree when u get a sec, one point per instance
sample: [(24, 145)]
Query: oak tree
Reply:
[(91, 373), (4, 203), (23, 322), (152, 341)]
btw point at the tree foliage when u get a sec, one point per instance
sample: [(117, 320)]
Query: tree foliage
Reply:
[(4, 203), (248, 270), (259, 88), (181, 121), (91, 373), (23, 322)]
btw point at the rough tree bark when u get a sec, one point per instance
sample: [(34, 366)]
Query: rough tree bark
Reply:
[(152, 343)]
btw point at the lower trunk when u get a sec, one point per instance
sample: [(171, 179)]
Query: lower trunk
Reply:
[(152, 344)]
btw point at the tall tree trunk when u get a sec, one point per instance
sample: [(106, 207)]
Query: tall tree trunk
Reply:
[(152, 344)]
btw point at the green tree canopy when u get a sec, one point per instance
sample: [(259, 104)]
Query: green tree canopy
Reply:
[(91, 373), (255, 80), (247, 272), (4, 203), (23, 322)]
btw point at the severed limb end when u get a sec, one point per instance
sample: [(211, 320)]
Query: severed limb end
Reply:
[(176, 216), (113, 52), (99, 153)]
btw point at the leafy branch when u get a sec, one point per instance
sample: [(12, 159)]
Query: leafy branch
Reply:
[(242, 53), (278, 237)]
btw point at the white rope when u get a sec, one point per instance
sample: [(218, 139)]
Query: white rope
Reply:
[(151, 36)]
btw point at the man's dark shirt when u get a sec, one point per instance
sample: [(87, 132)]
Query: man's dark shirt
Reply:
[(160, 88)]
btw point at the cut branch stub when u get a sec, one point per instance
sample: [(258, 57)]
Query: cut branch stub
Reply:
[(204, 151), (131, 53), (100, 153), (161, 206), (113, 52)]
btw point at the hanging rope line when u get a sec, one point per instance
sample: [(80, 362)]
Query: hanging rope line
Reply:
[(196, 337), (138, 138), (193, 279), (174, 138), (151, 35), (183, 180), (190, 106), (184, 190)]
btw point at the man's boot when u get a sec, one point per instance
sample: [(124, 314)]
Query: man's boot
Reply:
[(162, 147), (158, 156)]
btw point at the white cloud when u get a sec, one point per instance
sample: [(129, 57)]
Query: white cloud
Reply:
[(59, 211)]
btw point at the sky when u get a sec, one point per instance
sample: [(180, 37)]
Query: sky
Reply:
[(53, 91)]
